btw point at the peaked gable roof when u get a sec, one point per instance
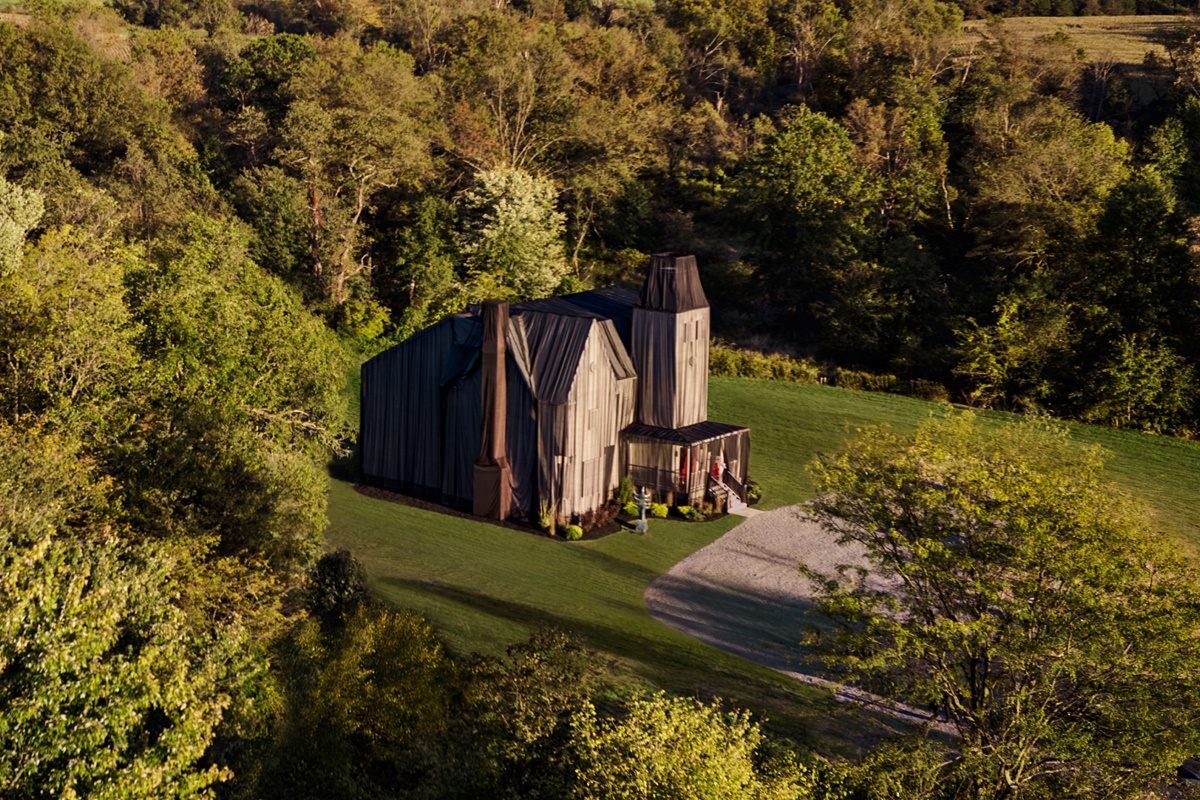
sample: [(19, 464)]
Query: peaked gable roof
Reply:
[(612, 303)]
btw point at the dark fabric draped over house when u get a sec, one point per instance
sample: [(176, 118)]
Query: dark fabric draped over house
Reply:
[(574, 391), (421, 412)]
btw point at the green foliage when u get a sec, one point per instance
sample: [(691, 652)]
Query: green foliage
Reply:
[(1143, 385), (630, 509), (547, 517), (573, 533), (67, 332), (20, 210), (1007, 361), (727, 360), (512, 731), (754, 491), (105, 690), (624, 490), (677, 748), (356, 695), (360, 122), (658, 510), (1015, 556), (337, 584), (227, 454), (807, 198), (735, 362), (511, 235), (363, 318), (691, 514)]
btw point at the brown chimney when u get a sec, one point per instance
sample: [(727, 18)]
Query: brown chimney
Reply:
[(493, 477)]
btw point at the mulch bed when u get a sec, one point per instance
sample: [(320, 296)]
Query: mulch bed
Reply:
[(376, 493)]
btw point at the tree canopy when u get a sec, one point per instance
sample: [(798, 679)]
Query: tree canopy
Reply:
[(1018, 597)]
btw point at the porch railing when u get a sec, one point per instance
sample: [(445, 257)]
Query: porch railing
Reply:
[(666, 480)]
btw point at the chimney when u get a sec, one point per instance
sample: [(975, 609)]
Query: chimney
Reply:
[(493, 476), (672, 284)]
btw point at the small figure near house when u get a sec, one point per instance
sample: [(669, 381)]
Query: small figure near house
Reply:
[(641, 499)]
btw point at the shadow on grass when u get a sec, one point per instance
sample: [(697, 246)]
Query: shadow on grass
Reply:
[(619, 567), (805, 713)]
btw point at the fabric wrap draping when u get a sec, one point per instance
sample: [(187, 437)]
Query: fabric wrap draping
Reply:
[(492, 478), (673, 284), (421, 412)]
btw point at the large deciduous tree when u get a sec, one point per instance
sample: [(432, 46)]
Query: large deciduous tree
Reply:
[(360, 123), (511, 234), (105, 690), (1028, 603)]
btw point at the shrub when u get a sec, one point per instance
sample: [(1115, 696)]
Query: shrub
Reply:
[(658, 510), (753, 490), (737, 363), (692, 514), (604, 515), (630, 509), (707, 509), (546, 517), (734, 362), (573, 533), (683, 510), (336, 584), (624, 492)]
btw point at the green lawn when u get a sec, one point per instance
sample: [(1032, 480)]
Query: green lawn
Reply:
[(483, 587)]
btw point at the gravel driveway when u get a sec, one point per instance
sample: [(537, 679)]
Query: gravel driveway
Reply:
[(744, 594)]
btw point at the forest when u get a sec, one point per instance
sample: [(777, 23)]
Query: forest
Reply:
[(211, 211)]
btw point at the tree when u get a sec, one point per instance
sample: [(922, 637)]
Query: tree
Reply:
[(1021, 598), (676, 748), (511, 234), (65, 332), (809, 203), (1142, 384), (360, 123), (239, 403), (359, 692), (105, 691), (20, 210)]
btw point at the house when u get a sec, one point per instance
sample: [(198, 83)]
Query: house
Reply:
[(547, 404)]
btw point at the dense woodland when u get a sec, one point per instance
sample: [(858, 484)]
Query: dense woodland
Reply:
[(210, 212)]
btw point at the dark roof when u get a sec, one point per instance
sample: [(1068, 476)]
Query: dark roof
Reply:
[(611, 302), (672, 284), (692, 434)]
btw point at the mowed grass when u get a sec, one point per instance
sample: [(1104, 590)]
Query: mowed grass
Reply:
[(483, 587), (791, 423)]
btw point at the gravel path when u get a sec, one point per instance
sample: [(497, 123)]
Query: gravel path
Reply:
[(744, 594)]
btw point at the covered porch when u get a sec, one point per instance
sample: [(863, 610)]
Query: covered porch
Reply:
[(687, 466)]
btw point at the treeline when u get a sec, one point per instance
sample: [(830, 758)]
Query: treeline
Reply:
[(861, 182)]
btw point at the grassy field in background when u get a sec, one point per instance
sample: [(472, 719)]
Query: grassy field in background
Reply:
[(483, 587), (1117, 43), (1123, 40)]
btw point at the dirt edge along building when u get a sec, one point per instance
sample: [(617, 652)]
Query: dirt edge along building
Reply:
[(504, 411)]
